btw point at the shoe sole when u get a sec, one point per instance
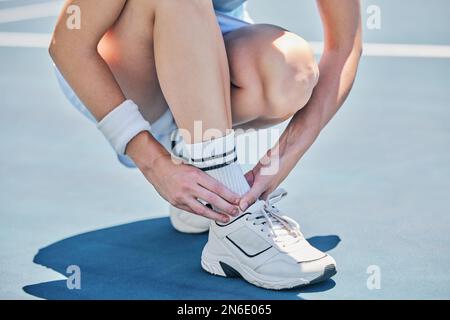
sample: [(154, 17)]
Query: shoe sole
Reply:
[(216, 266)]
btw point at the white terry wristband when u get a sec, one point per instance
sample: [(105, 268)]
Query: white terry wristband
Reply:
[(123, 124)]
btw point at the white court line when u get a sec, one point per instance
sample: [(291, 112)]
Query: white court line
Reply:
[(398, 50), (33, 11), (42, 40), (52, 8), (24, 40)]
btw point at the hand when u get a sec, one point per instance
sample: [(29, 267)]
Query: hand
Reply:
[(260, 187), (182, 185), (266, 176)]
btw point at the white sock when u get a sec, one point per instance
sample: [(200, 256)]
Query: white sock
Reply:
[(218, 158)]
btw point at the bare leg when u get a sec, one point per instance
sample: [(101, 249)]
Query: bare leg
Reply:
[(192, 66), (176, 46), (273, 72), (128, 50)]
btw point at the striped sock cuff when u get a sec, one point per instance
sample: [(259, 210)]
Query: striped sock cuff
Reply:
[(214, 163), (213, 154)]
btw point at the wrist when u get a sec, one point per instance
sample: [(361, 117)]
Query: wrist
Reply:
[(278, 161), (298, 138), (122, 124), (145, 151)]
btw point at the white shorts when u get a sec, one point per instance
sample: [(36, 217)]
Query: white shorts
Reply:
[(162, 128)]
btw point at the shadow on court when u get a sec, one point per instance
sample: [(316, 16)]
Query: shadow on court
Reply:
[(148, 260)]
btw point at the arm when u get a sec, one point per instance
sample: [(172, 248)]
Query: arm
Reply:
[(76, 56), (338, 66)]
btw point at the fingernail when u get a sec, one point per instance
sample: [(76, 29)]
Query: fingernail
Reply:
[(237, 200), (235, 212), (244, 206), (225, 220)]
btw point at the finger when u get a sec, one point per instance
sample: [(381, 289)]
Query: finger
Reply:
[(219, 189), (206, 212), (217, 201), (266, 193), (251, 196), (185, 208), (250, 177)]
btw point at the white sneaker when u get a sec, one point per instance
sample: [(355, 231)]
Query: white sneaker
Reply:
[(187, 222), (266, 249)]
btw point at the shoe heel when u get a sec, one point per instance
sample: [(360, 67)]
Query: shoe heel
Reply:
[(211, 265), (212, 261), (219, 268)]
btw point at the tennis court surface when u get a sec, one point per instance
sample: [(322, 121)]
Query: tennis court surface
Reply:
[(374, 191)]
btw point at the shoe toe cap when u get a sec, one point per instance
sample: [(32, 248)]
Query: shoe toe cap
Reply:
[(285, 266), (317, 266)]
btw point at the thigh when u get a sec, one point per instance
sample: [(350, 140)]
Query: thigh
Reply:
[(128, 50)]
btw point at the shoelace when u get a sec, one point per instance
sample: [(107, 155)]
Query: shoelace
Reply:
[(280, 228)]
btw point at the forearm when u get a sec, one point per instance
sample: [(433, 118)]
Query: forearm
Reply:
[(338, 66), (75, 53), (90, 77), (338, 71), (99, 91), (145, 151)]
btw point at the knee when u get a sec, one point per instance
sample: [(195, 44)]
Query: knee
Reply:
[(289, 74)]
